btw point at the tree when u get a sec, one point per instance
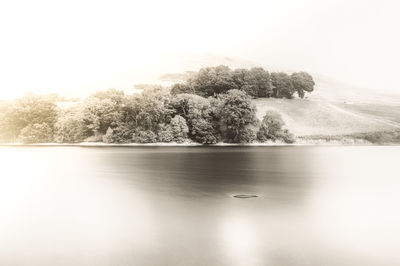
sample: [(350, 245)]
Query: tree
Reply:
[(238, 117), (302, 82), (282, 85), (272, 128), (211, 81), (179, 128), (262, 80), (27, 111), (116, 96), (6, 134), (204, 132), (100, 114), (165, 133), (245, 82), (176, 130), (200, 117), (123, 133), (36, 133), (144, 136), (102, 110), (255, 82), (179, 88), (148, 110), (70, 126)]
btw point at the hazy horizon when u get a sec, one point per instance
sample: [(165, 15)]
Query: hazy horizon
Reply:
[(80, 46)]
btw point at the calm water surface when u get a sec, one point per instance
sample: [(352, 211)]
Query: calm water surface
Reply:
[(175, 206)]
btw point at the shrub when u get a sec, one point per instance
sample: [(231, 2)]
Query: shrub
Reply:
[(165, 134), (144, 136), (271, 128), (120, 134), (179, 128), (204, 132)]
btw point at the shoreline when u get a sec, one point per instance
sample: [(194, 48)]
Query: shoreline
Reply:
[(161, 144), (156, 144)]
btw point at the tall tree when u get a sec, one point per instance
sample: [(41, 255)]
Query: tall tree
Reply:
[(200, 115), (282, 85), (101, 113), (211, 81), (27, 111), (238, 117), (302, 82), (70, 126)]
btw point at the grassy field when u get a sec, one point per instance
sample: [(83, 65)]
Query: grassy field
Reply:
[(332, 118)]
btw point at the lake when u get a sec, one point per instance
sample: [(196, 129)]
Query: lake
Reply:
[(316, 205)]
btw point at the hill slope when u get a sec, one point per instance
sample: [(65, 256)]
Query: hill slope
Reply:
[(318, 117), (333, 108)]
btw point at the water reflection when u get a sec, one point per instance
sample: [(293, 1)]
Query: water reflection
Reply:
[(174, 206), (240, 239)]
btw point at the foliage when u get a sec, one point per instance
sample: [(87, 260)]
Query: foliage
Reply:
[(144, 136), (36, 133), (123, 133), (176, 130), (204, 132), (179, 88), (200, 117), (238, 117), (25, 112), (282, 85), (149, 109), (102, 110), (271, 128), (302, 82), (214, 104), (375, 137), (116, 96), (165, 134), (5, 132), (256, 82), (179, 128), (211, 81), (381, 137), (70, 127)]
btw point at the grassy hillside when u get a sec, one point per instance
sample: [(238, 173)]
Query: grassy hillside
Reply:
[(318, 117), (333, 109)]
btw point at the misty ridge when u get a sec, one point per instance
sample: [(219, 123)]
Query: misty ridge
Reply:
[(213, 105)]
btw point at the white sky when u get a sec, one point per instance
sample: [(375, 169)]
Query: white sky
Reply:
[(76, 46)]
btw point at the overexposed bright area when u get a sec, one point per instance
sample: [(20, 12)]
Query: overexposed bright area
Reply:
[(77, 47)]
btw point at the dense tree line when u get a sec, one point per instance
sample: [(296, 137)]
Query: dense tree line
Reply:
[(210, 112), (256, 82)]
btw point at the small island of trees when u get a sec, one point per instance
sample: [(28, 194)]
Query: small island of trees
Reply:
[(214, 105)]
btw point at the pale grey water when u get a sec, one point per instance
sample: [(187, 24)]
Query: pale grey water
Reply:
[(174, 206)]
